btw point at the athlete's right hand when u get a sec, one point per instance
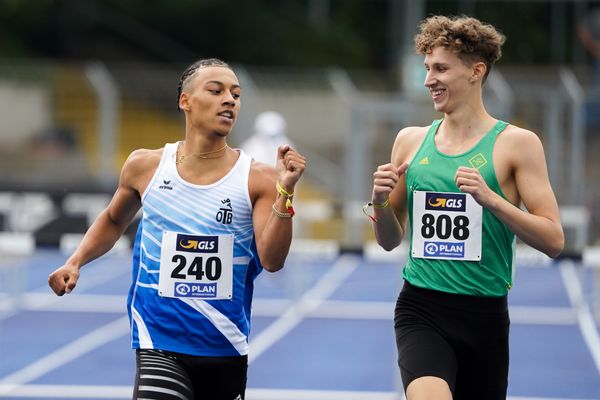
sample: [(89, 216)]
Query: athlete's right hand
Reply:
[(64, 279), (385, 180)]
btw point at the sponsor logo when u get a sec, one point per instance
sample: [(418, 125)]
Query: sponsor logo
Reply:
[(477, 161), (197, 244), (444, 249), (225, 213), (166, 185), (204, 290), (445, 201)]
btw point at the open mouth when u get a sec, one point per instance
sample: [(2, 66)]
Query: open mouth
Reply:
[(436, 93), (226, 114)]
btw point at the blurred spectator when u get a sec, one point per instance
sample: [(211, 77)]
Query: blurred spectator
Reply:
[(588, 31), (269, 133)]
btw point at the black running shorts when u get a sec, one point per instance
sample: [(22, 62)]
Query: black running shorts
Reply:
[(461, 339), (163, 375)]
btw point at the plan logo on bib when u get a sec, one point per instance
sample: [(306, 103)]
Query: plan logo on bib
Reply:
[(444, 249)]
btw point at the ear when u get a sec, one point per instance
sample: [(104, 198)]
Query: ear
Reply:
[(478, 71), (184, 103)]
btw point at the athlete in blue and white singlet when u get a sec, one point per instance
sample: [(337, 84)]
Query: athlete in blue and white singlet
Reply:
[(212, 220), (187, 324)]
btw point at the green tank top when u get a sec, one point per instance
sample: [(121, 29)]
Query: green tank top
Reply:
[(456, 245)]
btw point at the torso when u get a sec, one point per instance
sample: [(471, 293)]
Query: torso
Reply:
[(456, 245), (213, 316), (502, 156), (209, 172)]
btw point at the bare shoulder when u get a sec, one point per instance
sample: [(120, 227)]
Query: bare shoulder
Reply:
[(407, 143), (519, 149), (515, 134), (261, 170), (519, 141), (141, 158), (140, 166), (262, 178)]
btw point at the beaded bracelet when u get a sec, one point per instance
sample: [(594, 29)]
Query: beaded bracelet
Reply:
[(281, 214)]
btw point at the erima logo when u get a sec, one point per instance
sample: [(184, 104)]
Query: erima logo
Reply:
[(445, 201), (225, 213), (166, 185), (197, 244)]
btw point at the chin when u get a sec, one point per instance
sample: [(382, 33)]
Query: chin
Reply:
[(223, 132), (439, 108)]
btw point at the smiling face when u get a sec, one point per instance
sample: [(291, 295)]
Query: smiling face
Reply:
[(210, 99), (449, 79)]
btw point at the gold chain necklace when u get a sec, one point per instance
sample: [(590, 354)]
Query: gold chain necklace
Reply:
[(179, 158)]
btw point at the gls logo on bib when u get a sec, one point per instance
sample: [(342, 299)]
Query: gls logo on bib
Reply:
[(445, 201), (197, 244)]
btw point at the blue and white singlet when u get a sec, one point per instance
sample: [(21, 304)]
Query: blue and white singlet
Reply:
[(194, 263)]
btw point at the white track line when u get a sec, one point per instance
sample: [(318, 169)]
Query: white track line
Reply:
[(43, 296), (65, 354), (340, 309), (585, 317), (124, 392), (68, 391), (309, 301)]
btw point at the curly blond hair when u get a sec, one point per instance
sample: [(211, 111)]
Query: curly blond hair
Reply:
[(467, 37)]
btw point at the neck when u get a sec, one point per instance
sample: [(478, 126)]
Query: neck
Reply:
[(185, 151), (467, 121)]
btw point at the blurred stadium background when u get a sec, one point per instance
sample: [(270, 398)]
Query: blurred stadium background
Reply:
[(83, 83)]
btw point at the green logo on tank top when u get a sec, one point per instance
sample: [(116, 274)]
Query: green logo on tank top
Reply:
[(477, 161)]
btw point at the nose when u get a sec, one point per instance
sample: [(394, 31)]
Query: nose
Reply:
[(429, 79), (228, 98)]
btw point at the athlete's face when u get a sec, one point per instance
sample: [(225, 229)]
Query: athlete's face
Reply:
[(211, 99), (448, 79)]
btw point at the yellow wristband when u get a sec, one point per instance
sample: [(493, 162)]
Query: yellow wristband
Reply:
[(283, 192), (288, 198), (370, 204), (382, 205)]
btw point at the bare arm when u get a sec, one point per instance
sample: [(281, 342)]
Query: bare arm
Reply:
[(274, 234), (539, 226), (107, 228), (389, 182)]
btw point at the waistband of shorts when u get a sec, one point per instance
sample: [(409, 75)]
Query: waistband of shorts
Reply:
[(467, 302)]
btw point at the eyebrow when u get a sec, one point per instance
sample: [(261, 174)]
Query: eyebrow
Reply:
[(436, 64), (235, 86)]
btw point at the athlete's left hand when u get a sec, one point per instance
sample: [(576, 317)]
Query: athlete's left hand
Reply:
[(290, 167), (469, 180)]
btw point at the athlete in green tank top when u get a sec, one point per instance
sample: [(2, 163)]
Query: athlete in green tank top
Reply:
[(456, 246), (460, 184)]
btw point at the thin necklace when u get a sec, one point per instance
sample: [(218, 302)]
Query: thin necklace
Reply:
[(179, 158)]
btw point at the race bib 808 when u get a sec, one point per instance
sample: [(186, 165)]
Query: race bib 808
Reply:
[(446, 226)]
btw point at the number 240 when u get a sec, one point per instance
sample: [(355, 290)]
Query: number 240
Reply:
[(212, 269)]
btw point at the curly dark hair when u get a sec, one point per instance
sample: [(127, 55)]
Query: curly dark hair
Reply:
[(469, 38), (191, 70)]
